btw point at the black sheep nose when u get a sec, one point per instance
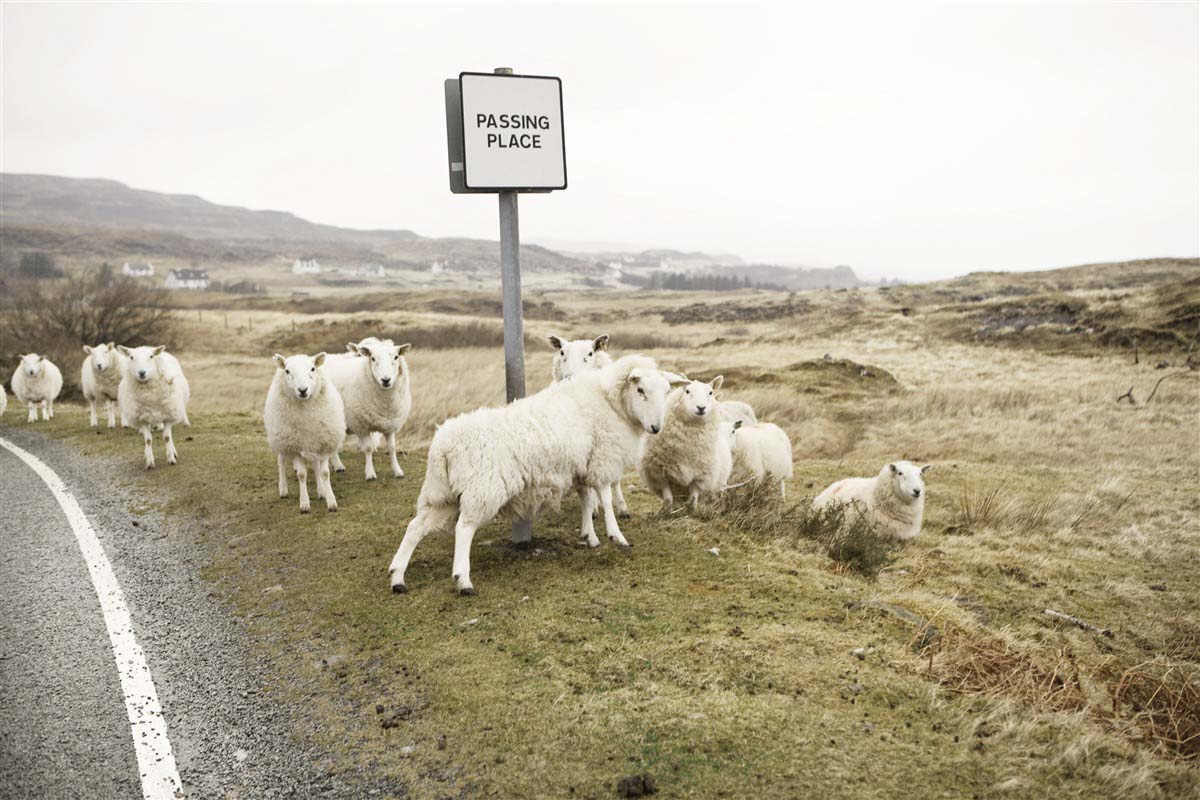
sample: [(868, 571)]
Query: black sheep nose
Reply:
[(700, 410), (141, 373), (386, 382), (916, 492), (654, 429), (302, 392)]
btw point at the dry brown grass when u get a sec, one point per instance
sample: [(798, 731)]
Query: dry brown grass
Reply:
[(1161, 699)]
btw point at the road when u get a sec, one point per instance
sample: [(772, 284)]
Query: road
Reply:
[(64, 727)]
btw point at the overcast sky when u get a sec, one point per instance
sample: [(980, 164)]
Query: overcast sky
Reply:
[(909, 140)]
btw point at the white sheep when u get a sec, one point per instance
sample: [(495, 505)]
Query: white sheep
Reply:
[(37, 382), (572, 357), (305, 421), (100, 376), (153, 391), (519, 458), (893, 501), (690, 456), (375, 386), (762, 452)]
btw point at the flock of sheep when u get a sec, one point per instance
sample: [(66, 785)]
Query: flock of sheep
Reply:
[(596, 419)]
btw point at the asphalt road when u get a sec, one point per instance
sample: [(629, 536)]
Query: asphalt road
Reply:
[(64, 732)]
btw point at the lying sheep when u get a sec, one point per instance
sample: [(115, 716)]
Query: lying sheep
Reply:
[(518, 458), (572, 357), (762, 452), (893, 501), (305, 420), (37, 382), (99, 377), (374, 383), (689, 456), (153, 391)]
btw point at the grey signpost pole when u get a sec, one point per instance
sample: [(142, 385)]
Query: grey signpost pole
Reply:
[(514, 327)]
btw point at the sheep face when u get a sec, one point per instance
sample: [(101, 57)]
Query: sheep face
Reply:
[(32, 364), (907, 480), (103, 356), (700, 399), (384, 359), (578, 355), (301, 376), (143, 361), (646, 397)]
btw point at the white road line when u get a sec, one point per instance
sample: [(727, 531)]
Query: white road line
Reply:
[(156, 761)]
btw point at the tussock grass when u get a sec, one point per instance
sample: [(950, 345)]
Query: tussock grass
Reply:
[(978, 509), (1161, 699)]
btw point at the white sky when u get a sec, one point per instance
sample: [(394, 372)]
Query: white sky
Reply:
[(910, 140)]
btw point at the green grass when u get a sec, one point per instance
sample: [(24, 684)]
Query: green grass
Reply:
[(730, 675)]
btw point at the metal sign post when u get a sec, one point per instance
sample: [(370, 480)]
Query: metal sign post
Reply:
[(507, 137)]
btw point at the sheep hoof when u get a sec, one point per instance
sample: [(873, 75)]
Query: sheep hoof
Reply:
[(303, 510), (625, 546), (340, 469), (467, 592), (332, 509), (372, 477), (399, 588), (624, 513)]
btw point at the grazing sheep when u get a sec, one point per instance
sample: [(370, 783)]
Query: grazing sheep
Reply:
[(893, 501), (153, 391), (37, 382), (100, 376), (761, 451), (689, 455), (373, 380), (305, 420), (573, 357), (521, 457)]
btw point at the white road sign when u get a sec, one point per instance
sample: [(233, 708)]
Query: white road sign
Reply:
[(512, 132)]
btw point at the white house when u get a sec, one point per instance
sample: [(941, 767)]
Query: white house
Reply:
[(437, 268), (372, 271), (306, 267), (187, 279), (138, 270)]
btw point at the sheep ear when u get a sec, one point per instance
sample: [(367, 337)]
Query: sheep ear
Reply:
[(319, 359), (123, 349), (41, 359), (892, 467), (737, 424), (673, 378), (600, 342), (87, 348), (364, 351), (555, 342), (404, 348), (111, 345), (716, 382), (635, 377), (926, 468), (158, 350), (279, 360), (351, 347)]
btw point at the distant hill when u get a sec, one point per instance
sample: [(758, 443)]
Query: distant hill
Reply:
[(50, 200)]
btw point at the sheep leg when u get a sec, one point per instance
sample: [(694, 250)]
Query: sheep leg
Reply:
[(112, 413), (587, 528), (783, 489), (323, 478), (610, 518), (668, 499), (169, 443), (302, 478), (32, 412), (48, 408), (369, 452), (148, 438), (426, 521), (464, 533), (338, 466), (92, 413), (283, 489), (621, 505), (396, 471), (694, 498)]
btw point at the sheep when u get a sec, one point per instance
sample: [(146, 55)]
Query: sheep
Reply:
[(893, 501), (521, 457), (572, 357), (305, 419), (153, 391), (100, 376), (689, 456), (373, 380), (761, 451), (576, 355), (37, 382)]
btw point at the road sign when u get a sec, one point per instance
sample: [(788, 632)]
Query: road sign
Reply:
[(505, 133)]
